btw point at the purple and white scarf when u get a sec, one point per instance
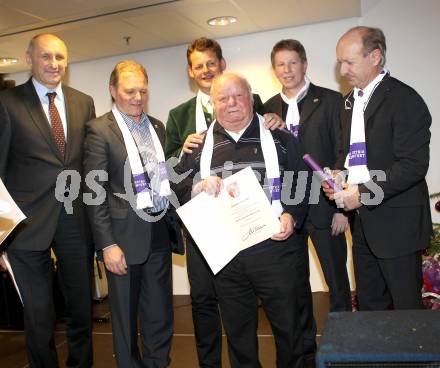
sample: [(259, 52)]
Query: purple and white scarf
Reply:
[(292, 116), (143, 198), (356, 161), (270, 160)]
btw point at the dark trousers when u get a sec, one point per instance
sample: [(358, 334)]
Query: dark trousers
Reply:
[(307, 320), (332, 254), (385, 282), (144, 294), (205, 312), (273, 276), (33, 272)]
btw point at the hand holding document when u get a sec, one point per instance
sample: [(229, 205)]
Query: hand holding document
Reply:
[(10, 217), (10, 214), (239, 217), (5, 207)]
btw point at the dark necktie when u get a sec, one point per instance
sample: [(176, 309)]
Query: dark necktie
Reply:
[(57, 125)]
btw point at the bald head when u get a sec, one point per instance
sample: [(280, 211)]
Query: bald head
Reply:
[(232, 99), (361, 55), (43, 37), (47, 57), (371, 38)]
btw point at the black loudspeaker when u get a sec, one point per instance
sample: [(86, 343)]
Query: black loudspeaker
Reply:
[(409, 338)]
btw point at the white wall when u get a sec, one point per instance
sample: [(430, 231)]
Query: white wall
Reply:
[(411, 28)]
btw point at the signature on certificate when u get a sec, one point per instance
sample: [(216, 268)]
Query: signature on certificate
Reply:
[(252, 231)]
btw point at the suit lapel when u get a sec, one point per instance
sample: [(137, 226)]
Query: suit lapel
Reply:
[(277, 107), (311, 102), (191, 127), (72, 134), (114, 127), (346, 114), (376, 99), (159, 132), (33, 104)]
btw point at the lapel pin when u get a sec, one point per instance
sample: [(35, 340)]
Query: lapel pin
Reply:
[(316, 100)]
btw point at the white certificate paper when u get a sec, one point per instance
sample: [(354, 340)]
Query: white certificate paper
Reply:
[(10, 217), (240, 217), (10, 214)]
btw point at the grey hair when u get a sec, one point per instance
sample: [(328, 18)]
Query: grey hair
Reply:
[(225, 75), (372, 39)]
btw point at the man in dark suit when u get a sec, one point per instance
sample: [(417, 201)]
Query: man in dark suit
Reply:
[(129, 222), (185, 130), (42, 134), (313, 117), (385, 146)]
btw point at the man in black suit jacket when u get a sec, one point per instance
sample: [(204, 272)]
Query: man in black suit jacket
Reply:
[(389, 134), (318, 127), (133, 237), (38, 140)]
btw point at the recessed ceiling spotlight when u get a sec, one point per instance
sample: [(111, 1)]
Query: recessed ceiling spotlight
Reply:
[(8, 61), (224, 20)]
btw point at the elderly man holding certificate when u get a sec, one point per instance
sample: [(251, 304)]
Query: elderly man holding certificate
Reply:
[(269, 269)]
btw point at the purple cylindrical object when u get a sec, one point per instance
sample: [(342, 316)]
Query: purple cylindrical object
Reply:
[(318, 170)]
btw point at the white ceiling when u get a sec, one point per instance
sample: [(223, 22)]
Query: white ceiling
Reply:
[(97, 28)]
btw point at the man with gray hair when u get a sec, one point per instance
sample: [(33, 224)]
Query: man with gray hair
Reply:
[(385, 147), (42, 125), (270, 269)]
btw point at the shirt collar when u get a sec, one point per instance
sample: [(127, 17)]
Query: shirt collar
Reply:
[(132, 124), (204, 98), (245, 131), (301, 93), (42, 90), (369, 89)]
